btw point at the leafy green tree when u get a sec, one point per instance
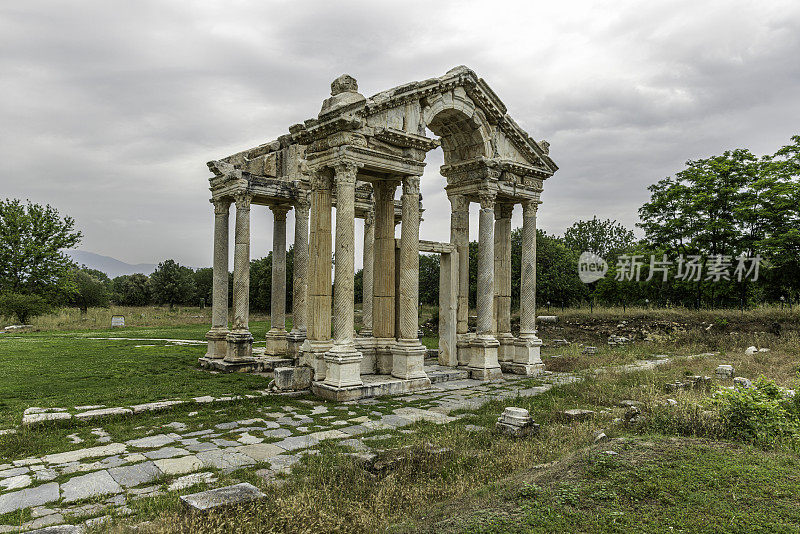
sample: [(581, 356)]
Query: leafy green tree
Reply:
[(132, 290), (32, 243), (429, 279), (22, 306), (92, 289), (602, 237), (172, 283), (204, 284)]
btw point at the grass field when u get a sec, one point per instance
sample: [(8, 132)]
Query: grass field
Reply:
[(678, 471)]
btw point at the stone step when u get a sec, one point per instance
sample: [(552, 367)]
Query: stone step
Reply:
[(446, 375), (225, 496)]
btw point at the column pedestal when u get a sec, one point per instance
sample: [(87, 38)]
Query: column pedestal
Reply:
[(483, 362), (506, 351), (408, 360), (527, 358)]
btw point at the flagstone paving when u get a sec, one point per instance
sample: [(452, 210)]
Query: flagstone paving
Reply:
[(115, 473)]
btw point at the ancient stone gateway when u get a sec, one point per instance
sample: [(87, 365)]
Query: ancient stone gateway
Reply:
[(355, 156)]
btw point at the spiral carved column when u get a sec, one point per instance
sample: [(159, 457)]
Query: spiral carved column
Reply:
[(217, 344), (240, 341), (527, 358), (276, 337)]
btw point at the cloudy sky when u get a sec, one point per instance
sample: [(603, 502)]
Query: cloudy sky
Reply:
[(109, 110)]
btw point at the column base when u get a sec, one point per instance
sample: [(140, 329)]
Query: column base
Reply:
[(312, 354), (294, 341), (384, 360), (408, 359), (373, 386), (239, 346), (343, 363), (217, 343), (527, 358), (506, 351), (366, 346), (276, 342), (463, 348), (483, 364)]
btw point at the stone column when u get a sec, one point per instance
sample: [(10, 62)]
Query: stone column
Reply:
[(217, 336), (240, 341), (367, 280), (383, 285), (276, 337), (459, 236), (318, 339), (483, 364), (527, 359), (502, 282), (343, 361), (300, 283), (408, 360)]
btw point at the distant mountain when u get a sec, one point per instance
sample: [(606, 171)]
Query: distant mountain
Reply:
[(111, 266)]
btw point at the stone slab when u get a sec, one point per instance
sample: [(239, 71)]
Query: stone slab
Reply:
[(135, 475), (102, 412), (219, 497), (156, 406), (179, 466), (79, 454), (151, 442), (89, 485), (166, 452), (29, 497), (260, 452), (224, 459), (58, 529)]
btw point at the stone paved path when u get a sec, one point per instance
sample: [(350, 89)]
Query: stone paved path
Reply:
[(109, 475)]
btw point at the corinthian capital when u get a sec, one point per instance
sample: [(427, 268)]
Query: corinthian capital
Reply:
[(221, 206), (487, 200), (529, 208), (346, 173), (243, 200), (411, 185)]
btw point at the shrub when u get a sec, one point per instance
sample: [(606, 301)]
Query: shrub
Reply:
[(22, 306), (764, 414)]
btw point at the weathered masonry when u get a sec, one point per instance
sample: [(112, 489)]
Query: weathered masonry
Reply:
[(356, 155)]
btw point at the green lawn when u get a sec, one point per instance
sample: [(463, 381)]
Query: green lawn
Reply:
[(65, 369)]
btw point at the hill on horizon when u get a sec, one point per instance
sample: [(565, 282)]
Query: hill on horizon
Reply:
[(111, 266)]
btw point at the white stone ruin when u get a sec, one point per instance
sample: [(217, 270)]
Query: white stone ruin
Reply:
[(355, 155)]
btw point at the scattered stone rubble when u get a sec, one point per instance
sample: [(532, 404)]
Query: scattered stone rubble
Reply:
[(516, 422)]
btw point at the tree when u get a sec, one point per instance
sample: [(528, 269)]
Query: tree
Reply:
[(429, 279), (32, 243), (22, 306), (604, 238), (91, 289), (172, 283), (204, 285), (132, 290)]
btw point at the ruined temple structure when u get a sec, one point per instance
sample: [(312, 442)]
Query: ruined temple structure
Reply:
[(355, 156)]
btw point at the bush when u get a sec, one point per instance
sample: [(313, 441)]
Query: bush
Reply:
[(764, 414), (23, 307)]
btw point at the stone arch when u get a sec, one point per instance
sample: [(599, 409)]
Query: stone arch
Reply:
[(461, 126)]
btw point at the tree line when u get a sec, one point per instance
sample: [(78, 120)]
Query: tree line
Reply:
[(708, 215)]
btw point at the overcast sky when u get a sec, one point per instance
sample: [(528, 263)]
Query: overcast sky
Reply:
[(109, 110)]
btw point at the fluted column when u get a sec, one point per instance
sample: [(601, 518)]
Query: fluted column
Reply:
[(409, 355), (300, 272), (343, 360), (276, 337), (217, 344), (367, 274), (383, 285), (319, 284), (483, 361), (502, 281), (240, 341), (459, 236), (527, 359)]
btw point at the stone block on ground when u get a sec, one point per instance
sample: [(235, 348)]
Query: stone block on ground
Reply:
[(34, 418), (29, 497), (577, 414), (180, 465), (292, 378), (724, 371), (102, 412), (89, 485), (219, 497), (516, 422), (135, 475)]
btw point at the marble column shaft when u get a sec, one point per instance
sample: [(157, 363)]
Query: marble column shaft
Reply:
[(486, 266), (459, 236), (527, 307), (409, 260), (502, 269), (344, 266), (241, 265), (383, 285), (219, 311), (367, 279), (300, 282), (277, 311), (320, 249)]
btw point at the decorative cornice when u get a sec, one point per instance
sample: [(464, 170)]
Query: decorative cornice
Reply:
[(405, 139)]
